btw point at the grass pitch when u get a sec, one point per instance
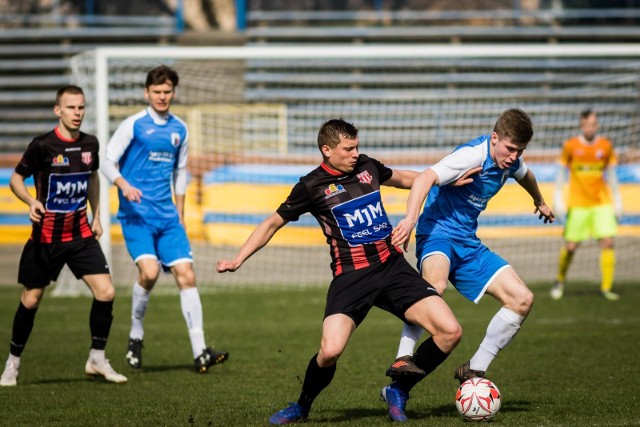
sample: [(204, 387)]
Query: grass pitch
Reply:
[(574, 363)]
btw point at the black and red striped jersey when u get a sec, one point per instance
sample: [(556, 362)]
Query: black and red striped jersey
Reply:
[(349, 209), (61, 169)]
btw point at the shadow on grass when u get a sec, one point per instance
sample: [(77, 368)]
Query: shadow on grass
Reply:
[(163, 368)]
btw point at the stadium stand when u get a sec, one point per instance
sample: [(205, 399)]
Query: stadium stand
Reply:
[(35, 51)]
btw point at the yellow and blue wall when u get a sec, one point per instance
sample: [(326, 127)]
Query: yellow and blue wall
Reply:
[(225, 207)]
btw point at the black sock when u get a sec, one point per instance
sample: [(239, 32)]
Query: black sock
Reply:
[(100, 320), (316, 379), (428, 357), (22, 326)]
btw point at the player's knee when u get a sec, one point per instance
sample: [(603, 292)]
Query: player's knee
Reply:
[(523, 302), (452, 335), (30, 301), (186, 279), (329, 353), (148, 276)]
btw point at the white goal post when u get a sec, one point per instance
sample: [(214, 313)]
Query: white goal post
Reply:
[(411, 102)]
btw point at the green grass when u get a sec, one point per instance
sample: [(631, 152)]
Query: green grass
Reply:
[(575, 363)]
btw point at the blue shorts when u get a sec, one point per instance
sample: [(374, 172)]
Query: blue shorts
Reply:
[(164, 240), (472, 266)]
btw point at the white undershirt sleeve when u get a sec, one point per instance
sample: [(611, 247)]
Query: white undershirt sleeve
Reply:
[(180, 172), (116, 148), (456, 164)]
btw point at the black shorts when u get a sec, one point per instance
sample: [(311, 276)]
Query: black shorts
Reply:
[(393, 286), (41, 263)]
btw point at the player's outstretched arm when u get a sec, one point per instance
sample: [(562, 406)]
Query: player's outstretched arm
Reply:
[(419, 190), (530, 184), (258, 239)]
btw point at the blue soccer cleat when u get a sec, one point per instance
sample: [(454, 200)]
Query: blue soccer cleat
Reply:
[(396, 400), (291, 414)]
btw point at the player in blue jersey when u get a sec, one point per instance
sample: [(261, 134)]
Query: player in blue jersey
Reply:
[(447, 247), (146, 154), (343, 194)]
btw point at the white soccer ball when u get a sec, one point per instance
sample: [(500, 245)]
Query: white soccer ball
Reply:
[(478, 399)]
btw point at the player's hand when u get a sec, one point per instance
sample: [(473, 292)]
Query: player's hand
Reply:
[(36, 211), (545, 212), (224, 265), (401, 234), (131, 193), (96, 228), (467, 177)]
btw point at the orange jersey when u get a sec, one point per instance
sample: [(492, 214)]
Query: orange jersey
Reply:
[(586, 163)]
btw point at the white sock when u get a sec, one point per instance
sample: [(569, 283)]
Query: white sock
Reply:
[(15, 360), (410, 336), (192, 312), (139, 301), (97, 355), (501, 330)]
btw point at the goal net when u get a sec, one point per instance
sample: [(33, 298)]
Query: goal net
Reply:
[(253, 114)]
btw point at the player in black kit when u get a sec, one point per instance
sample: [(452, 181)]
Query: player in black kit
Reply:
[(64, 164), (343, 194)]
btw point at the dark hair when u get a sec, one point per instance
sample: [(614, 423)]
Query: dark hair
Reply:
[(161, 74), (331, 130), (71, 89), (516, 125), (586, 113)]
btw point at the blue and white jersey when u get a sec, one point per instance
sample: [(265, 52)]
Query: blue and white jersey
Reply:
[(148, 149), (455, 210)]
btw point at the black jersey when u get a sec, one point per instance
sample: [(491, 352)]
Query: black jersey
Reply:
[(349, 209), (61, 169)]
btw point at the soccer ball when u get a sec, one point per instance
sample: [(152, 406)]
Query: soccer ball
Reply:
[(478, 399)]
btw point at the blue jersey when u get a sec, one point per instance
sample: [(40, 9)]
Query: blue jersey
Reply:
[(148, 148), (455, 210)]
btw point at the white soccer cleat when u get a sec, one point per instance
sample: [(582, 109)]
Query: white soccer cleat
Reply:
[(10, 375), (557, 290), (95, 368)]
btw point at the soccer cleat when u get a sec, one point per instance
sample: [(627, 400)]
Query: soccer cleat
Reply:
[(557, 290), (396, 400), (209, 357), (95, 368), (134, 353), (464, 373), (291, 414), (404, 367), (10, 375), (611, 296)]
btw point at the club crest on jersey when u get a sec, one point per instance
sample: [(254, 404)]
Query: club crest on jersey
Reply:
[(365, 177), (86, 158), (60, 160), (333, 190), (505, 175), (175, 139)]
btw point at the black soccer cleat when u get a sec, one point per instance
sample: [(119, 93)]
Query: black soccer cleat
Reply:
[(405, 367), (464, 373), (134, 353), (209, 357)]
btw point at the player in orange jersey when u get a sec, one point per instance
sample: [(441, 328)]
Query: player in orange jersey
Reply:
[(594, 205)]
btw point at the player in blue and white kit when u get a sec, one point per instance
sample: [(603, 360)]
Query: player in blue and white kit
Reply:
[(146, 153), (447, 247)]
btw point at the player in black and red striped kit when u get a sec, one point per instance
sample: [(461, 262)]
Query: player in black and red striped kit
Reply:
[(64, 164), (343, 194)]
